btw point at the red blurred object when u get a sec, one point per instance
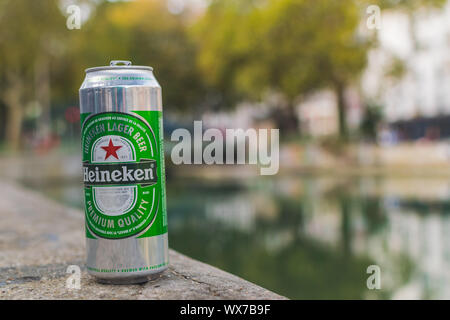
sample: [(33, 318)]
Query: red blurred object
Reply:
[(72, 114), (45, 145)]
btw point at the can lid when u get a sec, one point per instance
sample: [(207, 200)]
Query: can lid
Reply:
[(119, 64)]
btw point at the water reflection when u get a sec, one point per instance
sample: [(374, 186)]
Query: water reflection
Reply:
[(314, 236)]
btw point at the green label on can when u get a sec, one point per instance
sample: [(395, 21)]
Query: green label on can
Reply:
[(123, 173)]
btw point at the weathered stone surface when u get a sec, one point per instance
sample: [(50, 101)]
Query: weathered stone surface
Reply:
[(40, 238)]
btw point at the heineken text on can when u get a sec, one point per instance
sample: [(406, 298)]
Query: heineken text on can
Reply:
[(123, 173)]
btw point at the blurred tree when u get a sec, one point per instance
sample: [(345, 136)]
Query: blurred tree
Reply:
[(291, 47), (145, 32), (31, 32), (218, 35)]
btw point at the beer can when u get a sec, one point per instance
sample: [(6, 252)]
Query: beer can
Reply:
[(123, 173)]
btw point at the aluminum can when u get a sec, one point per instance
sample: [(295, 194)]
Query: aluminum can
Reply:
[(123, 173)]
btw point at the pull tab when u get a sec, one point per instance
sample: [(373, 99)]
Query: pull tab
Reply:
[(114, 63)]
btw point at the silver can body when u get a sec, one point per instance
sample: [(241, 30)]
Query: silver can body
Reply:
[(123, 89)]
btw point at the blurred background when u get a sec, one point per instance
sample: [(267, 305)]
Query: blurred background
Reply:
[(362, 102)]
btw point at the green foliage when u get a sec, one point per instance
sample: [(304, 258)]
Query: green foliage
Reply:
[(31, 40), (396, 69), (249, 49), (290, 46), (33, 28), (146, 33), (238, 50), (223, 47)]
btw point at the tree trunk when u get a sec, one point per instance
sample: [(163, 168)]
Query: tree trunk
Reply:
[(42, 89), (346, 224), (287, 120), (342, 111), (14, 117), (12, 97)]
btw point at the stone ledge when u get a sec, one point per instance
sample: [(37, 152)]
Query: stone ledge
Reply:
[(40, 238)]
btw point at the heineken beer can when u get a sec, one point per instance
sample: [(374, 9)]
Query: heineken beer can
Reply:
[(123, 173)]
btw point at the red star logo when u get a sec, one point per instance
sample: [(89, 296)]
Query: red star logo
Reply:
[(111, 150)]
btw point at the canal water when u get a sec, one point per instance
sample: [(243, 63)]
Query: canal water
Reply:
[(314, 236)]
